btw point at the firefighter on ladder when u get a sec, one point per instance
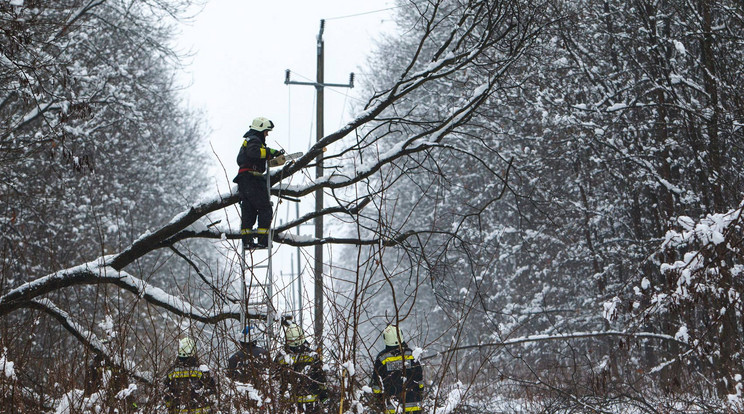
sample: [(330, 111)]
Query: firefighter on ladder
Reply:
[(398, 377), (252, 185)]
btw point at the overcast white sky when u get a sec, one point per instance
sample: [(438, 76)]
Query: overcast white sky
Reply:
[(241, 50)]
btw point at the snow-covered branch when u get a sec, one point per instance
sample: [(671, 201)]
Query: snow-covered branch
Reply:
[(563, 337), (420, 142), (152, 240), (101, 271), (86, 337)]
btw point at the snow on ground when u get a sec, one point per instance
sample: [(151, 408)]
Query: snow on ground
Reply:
[(453, 399), (69, 402), (349, 365), (7, 367), (126, 392)]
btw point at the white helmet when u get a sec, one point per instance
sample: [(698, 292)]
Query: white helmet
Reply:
[(392, 335), (186, 347), (294, 334), (262, 124)]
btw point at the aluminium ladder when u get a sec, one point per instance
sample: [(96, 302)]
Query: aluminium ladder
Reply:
[(257, 290)]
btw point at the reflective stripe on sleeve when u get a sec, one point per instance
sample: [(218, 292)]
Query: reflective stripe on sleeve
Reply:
[(410, 407), (202, 410), (305, 358), (307, 398), (263, 152)]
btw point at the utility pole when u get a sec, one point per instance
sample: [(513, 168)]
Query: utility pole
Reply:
[(299, 270), (318, 265)]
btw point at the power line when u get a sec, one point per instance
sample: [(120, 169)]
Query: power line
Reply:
[(362, 13), (344, 94), (415, 3)]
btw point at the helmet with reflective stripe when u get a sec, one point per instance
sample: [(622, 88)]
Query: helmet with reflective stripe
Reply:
[(186, 347), (262, 124), (294, 334), (392, 335)]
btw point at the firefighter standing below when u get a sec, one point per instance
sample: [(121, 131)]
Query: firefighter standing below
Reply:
[(251, 361), (250, 365), (254, 195), (189, 387), (108, 380), (301, 376), (398, 376)]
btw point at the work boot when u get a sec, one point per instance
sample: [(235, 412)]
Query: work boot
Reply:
[(248, 242), (263, 242)]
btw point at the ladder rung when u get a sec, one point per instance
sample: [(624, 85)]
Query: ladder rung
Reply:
[(257, 303)]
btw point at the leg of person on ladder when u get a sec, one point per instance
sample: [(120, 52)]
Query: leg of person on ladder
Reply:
[(255, 203)]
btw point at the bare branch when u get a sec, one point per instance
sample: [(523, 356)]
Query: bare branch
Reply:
[(86, 337), (102, 272), (563, 337)]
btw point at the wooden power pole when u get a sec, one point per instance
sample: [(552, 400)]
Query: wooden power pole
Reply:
[(318, 265)]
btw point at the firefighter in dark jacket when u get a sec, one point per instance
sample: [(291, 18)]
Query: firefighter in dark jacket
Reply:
[(251, 365), (252, 185), (189, 387), (398, 377), (301, 373), (251, 361)]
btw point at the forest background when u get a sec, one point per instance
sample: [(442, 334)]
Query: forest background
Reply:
[(546, 195)]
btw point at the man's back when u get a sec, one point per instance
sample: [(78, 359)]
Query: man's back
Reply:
[(248, 363), (393, 365), (302, 372), (188, 385)]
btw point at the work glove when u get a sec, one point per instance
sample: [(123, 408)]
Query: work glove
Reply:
[(275, 153)]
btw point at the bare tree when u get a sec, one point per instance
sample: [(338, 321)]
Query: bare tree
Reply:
[(356, 156), (509, 241)]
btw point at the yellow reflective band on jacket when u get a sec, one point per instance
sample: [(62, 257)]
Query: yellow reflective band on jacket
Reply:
[(408, 409), (377, 390), (262, 231), (307, 399), (263, 152), (295, 359), (202, 410), (185, 374), (396, 358), (305, 358)]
